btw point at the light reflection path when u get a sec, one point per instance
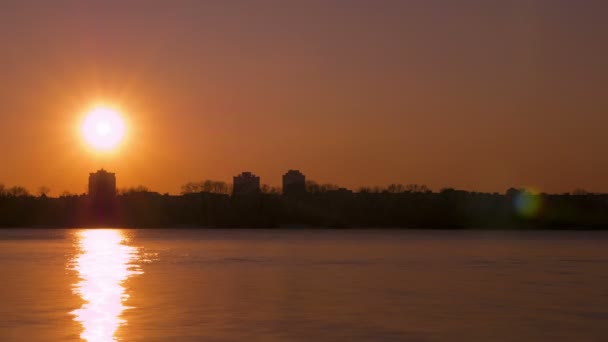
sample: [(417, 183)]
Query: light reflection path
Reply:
[(104, 263)]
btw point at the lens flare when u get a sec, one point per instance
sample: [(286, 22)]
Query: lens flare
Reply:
[(527, 203)]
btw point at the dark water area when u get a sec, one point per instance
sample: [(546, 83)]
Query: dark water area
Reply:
[(303, 285)]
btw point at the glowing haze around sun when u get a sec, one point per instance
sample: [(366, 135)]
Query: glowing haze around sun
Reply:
[(103, 128)]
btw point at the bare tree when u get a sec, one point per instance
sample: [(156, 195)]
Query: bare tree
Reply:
[(417, 188), (581, 192), (267, 189), (190, 188), (312, 186), (396, 188), (365, 189), (210, 186), (43, 191), (17, 191), (135, 190), (67, 194), (328, 187), (220, 187)]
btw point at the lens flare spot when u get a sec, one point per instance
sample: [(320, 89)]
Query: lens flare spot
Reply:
[(527, 203)]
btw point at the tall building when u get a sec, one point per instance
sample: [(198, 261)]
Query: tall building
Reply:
[(246, 183), (294, 183), (102, 185)]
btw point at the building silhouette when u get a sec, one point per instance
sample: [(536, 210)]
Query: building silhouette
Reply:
[(102, 185), (294, 183), (246, 184)]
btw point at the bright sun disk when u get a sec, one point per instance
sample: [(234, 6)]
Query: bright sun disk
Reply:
[(103, 128)]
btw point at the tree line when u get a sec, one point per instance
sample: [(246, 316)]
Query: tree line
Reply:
[(211, 204)]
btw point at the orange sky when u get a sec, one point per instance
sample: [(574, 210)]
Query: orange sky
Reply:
[(468, 94)]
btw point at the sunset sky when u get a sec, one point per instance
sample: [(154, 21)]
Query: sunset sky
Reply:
[(478, 95)]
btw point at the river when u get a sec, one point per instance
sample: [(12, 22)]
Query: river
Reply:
[(302, 285)]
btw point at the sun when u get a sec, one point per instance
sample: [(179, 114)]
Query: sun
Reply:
[(103, 128)]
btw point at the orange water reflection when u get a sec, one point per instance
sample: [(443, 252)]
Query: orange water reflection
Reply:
[(104, 263)]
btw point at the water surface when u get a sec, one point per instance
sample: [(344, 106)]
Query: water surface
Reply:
[(302, 285)]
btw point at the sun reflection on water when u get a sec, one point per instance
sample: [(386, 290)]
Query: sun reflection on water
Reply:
[(104, 263)]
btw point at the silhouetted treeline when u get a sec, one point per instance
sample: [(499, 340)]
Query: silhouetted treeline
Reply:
[(210, 205)]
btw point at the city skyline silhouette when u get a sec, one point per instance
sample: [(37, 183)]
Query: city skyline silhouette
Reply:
[(198, 186), (249, 203)]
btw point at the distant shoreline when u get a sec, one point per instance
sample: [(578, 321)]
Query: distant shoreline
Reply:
[(449, 209)]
